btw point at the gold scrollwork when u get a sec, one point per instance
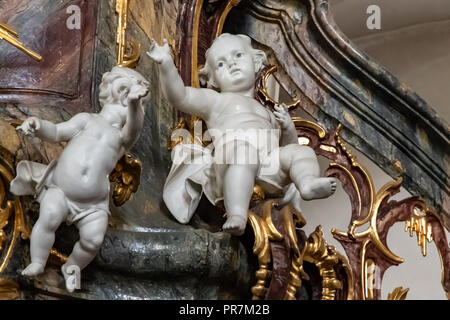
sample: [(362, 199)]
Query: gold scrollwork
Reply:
[(291, 219), (262, 250), (173, 139), (258, 193), (267, 216), (367, 177), (123, 59), (9, 290), (264, 231), (328, 148), (230, 5), (265, 93), (398, 294), (370, 235), (424, 233), (325, 258), (422, 228), (370, 278), (195, 82), (300, 122), (126, 178)]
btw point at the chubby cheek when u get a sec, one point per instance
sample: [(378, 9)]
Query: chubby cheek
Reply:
[(250, 68), (220, 78)]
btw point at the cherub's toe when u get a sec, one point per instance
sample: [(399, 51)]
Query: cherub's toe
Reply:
[(33, 269), (235, 225)]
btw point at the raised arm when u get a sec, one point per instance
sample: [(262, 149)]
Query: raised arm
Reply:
[(289, 134), (49, 131), (135, 118), (198, 102)]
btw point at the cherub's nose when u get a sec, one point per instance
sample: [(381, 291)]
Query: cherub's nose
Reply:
[(230, 61)]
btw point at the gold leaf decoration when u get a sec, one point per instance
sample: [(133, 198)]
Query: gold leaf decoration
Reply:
[(398, 294), (126, 178)]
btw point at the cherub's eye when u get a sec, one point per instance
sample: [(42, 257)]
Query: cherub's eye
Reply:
[(239, 55), (220, 65)]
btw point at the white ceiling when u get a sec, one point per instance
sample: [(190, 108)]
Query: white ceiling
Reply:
[(413, 43), (351, 16)]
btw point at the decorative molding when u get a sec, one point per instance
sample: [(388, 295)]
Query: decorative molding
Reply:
[(123, 59), (9, 290), (126, 178), (398, 294)]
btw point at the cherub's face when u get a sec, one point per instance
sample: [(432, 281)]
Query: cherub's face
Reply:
[(232, 65)]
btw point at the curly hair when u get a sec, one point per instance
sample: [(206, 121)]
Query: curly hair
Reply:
[(116, 85), (259, 59)]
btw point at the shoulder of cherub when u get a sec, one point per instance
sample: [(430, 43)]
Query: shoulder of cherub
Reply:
[(84, 115), (82, 118)]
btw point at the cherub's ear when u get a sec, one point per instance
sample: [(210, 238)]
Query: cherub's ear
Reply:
[(124, 92), (205, 79), (260, 59), (203, 76)]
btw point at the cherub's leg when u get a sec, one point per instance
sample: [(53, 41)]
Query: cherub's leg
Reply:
[(53, 211), (92, 231), (301, 164), (238, 186)]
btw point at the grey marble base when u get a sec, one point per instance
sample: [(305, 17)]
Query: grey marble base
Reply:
[(159, 264)]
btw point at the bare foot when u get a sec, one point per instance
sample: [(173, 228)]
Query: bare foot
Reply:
[(235, 225), (33, 269), (318, 188)]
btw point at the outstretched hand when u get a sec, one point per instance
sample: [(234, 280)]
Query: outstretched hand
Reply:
[(158, 53), (30, 126), (138, 91), (283, 117)]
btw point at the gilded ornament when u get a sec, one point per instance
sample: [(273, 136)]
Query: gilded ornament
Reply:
[(11, 36), (398, 294), (123, 59)]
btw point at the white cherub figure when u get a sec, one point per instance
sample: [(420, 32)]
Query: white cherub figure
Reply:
[(228, 106), (75, 188)]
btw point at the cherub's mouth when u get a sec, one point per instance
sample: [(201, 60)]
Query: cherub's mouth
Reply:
[(234, 70)]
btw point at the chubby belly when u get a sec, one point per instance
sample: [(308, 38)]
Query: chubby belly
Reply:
[(83, 168), (245, 126), (242, 121)]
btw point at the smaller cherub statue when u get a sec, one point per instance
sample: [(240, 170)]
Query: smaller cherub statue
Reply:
[(251, 144), (75, 188)]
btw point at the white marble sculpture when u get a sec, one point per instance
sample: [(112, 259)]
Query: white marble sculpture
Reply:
[(228, 106), (75, 188)]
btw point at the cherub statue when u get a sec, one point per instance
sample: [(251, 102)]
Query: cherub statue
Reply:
[(75, 188), (229, 109)]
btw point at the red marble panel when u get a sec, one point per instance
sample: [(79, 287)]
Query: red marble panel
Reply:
[(65, 73)]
